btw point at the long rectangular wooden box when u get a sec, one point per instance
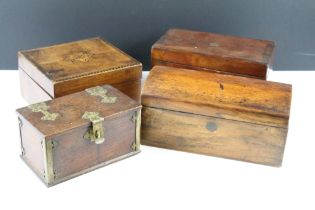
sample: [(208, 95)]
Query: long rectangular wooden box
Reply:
[(58, 70), (215, 114), (214, 52), (71, 135)]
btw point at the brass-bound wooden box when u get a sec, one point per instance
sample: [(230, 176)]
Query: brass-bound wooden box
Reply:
[(216, 114), (58, 70), (71, 135), (214, 52)]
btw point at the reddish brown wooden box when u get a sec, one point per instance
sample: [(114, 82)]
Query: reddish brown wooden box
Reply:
[(215, 114), (71, 135), (58, 70), (213, 52)]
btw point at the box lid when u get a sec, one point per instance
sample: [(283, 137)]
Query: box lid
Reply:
[(214, 51), (65, 113), (66, 68), (218, 95)]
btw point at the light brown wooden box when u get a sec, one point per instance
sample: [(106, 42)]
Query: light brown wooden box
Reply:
[(74, 134), (215, 114), (214, 52), (58, 70)]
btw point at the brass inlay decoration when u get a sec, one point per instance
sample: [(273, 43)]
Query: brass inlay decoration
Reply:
[(43, 108), (96, 132), (101, 92), (79, 56)]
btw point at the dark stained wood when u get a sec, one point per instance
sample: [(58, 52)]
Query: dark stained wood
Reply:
[(71, 153), (215, 114), (213, 52), (72, 107), (71, 67)]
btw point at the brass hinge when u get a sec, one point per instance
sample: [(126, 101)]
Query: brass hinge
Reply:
[(134, 146), (49, 173), (136, 118), (133, 118), (96, 132), (21, 141), (53, 176)]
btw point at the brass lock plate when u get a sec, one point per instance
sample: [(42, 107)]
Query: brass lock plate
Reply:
[(96, 132)]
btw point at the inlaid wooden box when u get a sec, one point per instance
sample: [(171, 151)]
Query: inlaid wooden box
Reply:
[(74, 134), (215, 114), (58, 70), (214, 52)]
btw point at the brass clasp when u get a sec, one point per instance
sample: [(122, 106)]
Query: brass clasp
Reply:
[(96, 132)]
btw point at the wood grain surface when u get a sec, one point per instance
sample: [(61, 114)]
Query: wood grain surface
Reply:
[(213, 52), (71, 153), (214, 114), (72, 107), (71, 67), (218, 95), (213, 136)]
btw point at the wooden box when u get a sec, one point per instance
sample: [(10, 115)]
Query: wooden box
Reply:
[(215, 114), (74, 134), (58, 70), (213, 52)]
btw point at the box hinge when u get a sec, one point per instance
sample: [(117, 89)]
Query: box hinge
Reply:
[(49, 173), (96, 132), (21, 141), (136, 118)]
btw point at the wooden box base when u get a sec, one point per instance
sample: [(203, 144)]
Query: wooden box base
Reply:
[(213, 136), (215, 114), (33, 93), (81, 172), (71, 135)]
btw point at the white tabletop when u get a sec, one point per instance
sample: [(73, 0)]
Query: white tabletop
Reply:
[(166, 179)]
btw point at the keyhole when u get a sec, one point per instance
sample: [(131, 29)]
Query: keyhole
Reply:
[(97, 134), (211, 126)]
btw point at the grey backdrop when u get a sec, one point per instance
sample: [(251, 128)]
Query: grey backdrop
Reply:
[(134, 25)]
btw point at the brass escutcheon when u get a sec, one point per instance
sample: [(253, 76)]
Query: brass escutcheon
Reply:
[(211, 126), (96, 132)]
